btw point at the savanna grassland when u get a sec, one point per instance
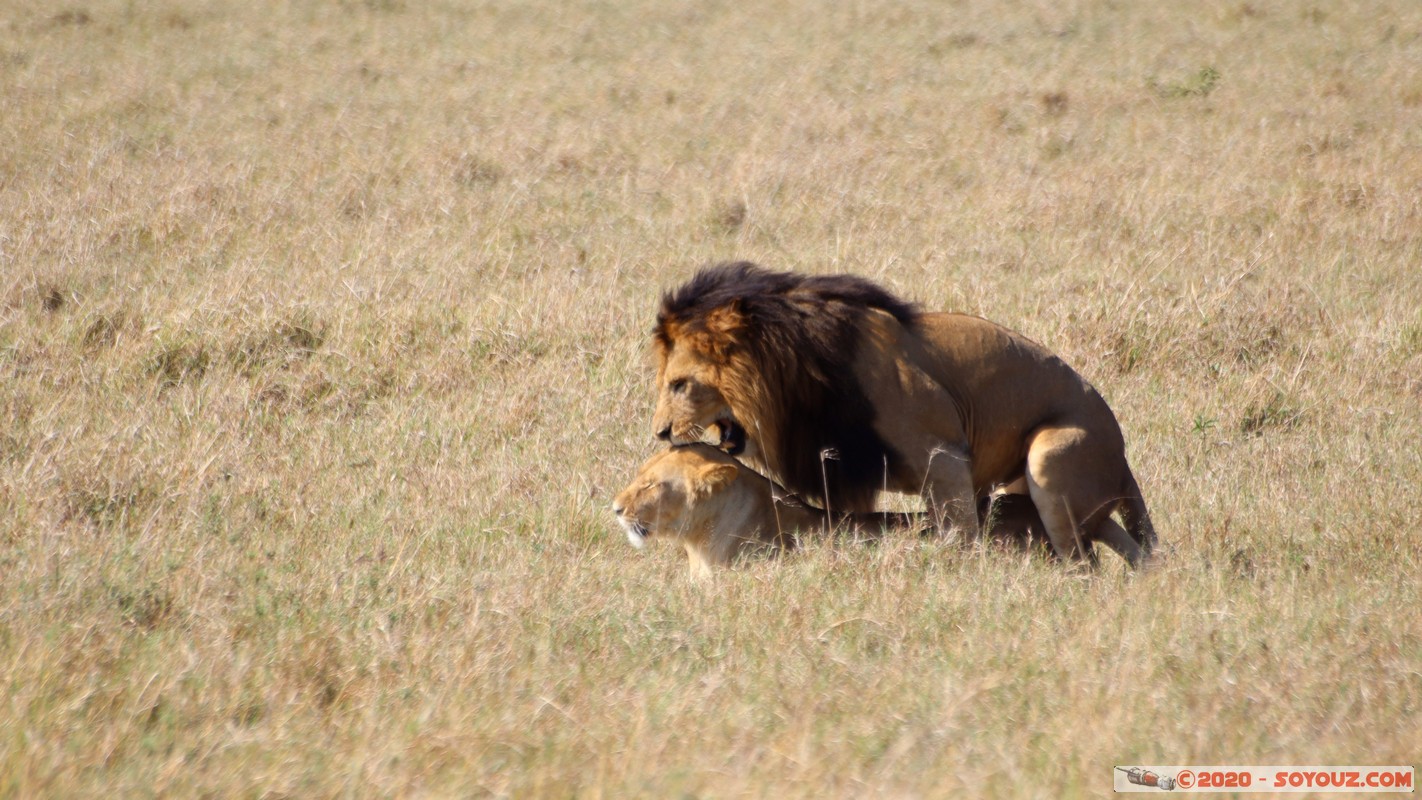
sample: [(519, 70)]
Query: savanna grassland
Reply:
[(323, 349)]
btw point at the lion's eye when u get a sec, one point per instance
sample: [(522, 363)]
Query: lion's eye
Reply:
[(678, 385)]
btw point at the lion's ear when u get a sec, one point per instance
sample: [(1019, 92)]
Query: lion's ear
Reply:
[(725, 326), (726, 320), (713, 476)]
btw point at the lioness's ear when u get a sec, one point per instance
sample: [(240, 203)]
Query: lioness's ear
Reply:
[(713, 476)]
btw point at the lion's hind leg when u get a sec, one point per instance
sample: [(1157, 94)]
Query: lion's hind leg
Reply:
[(1074, 501), (1136, 518), (1115, 537), (1057, 487)]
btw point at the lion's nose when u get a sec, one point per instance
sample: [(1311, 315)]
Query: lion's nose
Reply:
[(664, 434), (617, 508)]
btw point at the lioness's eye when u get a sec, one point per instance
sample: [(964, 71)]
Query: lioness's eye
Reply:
[(678, 385)]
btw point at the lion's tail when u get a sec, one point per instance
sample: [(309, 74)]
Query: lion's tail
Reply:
[(1135, 517)]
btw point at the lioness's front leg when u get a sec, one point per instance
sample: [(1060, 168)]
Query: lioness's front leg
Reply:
[(948, 491)]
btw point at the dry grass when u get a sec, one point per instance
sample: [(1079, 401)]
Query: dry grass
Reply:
[(322, 352)]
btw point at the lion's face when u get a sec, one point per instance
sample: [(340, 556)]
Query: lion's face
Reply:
[(668, 492), (690, 406)]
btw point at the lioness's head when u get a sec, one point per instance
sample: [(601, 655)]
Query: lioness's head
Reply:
[(690, 404), (667, 498)]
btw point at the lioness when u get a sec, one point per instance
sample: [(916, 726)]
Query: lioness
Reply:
[(837, 389), (715, 507)]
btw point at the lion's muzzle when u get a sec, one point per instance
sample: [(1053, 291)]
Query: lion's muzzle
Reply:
[(733, 437)]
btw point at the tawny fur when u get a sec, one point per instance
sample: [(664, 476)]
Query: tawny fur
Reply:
[(841, 390), (715, 508)]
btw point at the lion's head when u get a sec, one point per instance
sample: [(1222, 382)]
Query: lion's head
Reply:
[(690, 372), (667, 496), (759, 364)]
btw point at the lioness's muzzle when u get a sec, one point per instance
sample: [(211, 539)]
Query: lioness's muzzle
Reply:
[(636, 532)]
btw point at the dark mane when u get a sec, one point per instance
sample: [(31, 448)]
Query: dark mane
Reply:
[(798, 336), (770, 293)]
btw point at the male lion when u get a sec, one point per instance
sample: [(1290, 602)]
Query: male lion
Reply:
[(838, 389), (715, 507)]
